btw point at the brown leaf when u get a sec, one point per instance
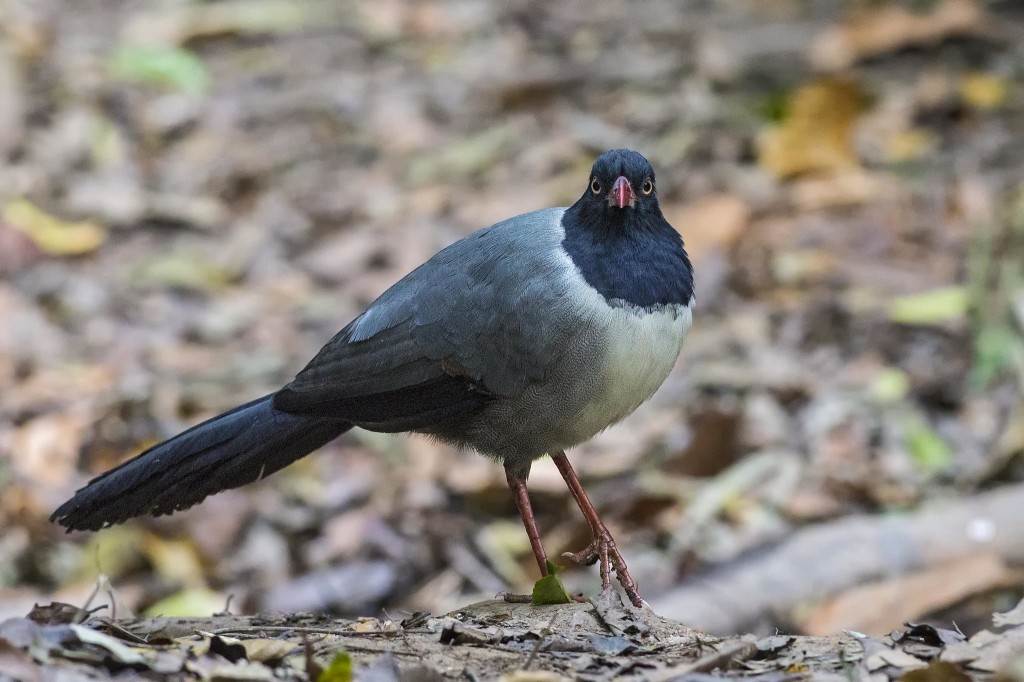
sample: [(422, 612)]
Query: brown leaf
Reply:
[(816, 134), (54, 613)]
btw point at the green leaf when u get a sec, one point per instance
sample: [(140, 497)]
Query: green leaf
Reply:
[(891, 385), (549, 589), (930, 452), (945, 304), (173, 68), (995, 348), (340, 669)]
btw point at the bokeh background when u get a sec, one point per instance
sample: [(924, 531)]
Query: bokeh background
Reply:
[(195, 195)]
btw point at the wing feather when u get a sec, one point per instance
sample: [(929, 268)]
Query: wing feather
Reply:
[(482, 318)]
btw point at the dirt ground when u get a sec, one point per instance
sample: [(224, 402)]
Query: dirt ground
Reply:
[(195, 196)]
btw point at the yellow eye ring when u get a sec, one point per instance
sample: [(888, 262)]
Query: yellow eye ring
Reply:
[(647, 187), (595, 186)]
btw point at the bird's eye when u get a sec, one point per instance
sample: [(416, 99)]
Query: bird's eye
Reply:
[(595, 186), (647, 187)]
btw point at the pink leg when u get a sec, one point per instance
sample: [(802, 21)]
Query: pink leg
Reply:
[(603, 547)]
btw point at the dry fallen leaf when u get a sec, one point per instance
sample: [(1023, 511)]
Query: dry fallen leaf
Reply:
[(266, 650), (816, 134), (893, 657)]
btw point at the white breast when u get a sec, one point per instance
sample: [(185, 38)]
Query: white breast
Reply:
[(639, 348)]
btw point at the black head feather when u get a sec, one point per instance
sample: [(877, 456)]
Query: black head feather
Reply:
[(630, 254)]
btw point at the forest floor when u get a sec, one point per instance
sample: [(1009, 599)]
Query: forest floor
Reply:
[(599, 640), (195, 196)]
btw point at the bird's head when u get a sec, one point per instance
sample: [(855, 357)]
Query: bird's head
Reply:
[(621, 188)]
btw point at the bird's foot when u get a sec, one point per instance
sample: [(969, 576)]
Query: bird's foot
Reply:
[(603, 550), (585, 557)]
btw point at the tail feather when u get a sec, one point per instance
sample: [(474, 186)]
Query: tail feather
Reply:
[(238, 447)]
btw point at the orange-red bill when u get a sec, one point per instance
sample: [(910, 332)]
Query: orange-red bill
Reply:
[(622, 192)]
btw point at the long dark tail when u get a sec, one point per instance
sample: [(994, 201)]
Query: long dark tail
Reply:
[(238, 447)]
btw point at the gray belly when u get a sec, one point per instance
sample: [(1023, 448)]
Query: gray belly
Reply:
[(616, 360)]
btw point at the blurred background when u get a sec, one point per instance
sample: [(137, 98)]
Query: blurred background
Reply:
[(196, 195)]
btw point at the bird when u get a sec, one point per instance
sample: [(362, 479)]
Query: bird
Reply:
[(520, 340)]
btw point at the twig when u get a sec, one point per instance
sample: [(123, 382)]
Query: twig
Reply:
[(227, 606), (114, 629), (543, 636), (83, 611)]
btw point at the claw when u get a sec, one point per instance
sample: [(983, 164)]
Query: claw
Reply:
[(584, 557), (603, 549)]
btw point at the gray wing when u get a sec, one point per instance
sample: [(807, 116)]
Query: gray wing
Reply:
[(484, 317)]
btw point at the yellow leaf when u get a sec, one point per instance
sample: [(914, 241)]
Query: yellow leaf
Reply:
[(937, 306), (175, 560), (816, 134), (984, 91), (53, 236)]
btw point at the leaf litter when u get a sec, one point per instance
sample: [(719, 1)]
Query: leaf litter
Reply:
[(857, 355)]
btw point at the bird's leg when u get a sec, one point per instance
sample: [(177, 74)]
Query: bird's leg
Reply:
[(517, 482), (603, 548)]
